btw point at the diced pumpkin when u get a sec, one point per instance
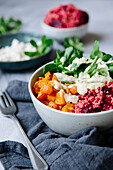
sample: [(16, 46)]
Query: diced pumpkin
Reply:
[(41, 83), (47, 89), (55, 78), (41, 96), (36, 88), (60, 100), (51, 83), (53, 105), (65, 109), (69, 107), (48, 76), (68, 84), (67, 90), (73, 90), (51, 97)]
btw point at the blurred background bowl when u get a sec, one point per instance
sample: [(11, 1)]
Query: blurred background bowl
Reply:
[(6, 39), (60, 33)]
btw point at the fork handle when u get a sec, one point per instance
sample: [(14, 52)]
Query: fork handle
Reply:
[(37, 161)]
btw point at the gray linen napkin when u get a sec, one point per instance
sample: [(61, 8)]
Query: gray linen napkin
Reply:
[(88, 149)]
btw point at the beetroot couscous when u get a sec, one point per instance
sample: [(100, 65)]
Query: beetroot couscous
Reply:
[(97, 100), (66, 16)]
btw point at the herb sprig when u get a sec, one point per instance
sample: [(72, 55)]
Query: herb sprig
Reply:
[(105, 57), (42, 49), (74, 42), (91, 68), (9, 25)]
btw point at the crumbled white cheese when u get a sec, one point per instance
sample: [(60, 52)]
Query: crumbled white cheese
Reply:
[(81, 88), (61, 92), (57, 85), (15, 52), (99, 60), (83, 76), (69, 68), (84, 81), (63, 59), (71, 98), (99, 78), (100, 65), (64, 77), (82, 60), (72, 85)]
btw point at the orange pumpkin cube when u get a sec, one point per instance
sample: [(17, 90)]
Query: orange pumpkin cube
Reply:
[(41, 96), (53, 105), (48, 76), (36, 88), (60, 100), (41, 83), (55, 78), (51, 97), (73, 90), (47, 89)]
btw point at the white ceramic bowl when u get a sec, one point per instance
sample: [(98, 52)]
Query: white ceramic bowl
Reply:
[(60, 33), (64, 122)]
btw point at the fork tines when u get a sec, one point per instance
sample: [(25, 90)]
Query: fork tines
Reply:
[(5, 99)]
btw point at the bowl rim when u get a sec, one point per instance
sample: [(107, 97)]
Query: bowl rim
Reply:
[(24, 33), (64, 29), (61, 112)]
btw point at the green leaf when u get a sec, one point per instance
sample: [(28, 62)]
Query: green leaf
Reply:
[(57, 60), (2, 20), (32, 54), (50, 67), (73, 42), (106, 57), (43, 39), (10, 25), (103, 72), (34, 44), (81, 68), (10, 20), (91, 65), (110, 66), (42, 49), (2, 29), (91, 71), (68, 52), (49, 42), (71, 59), (78, 53), (74, 66), (95, 50), (18, 22), (66, 81)]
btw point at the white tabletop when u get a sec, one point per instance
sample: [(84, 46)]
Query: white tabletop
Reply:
[(31, 13)]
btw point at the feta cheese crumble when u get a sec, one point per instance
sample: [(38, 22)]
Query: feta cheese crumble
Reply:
[(15, 52)]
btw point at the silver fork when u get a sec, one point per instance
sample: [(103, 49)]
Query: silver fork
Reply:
[(8, 108)]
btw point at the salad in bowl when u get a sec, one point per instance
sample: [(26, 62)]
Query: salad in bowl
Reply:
[(77, 84)]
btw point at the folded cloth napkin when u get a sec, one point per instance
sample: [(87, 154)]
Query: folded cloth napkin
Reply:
[(88, 149)]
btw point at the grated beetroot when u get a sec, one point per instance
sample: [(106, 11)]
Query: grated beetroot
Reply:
[(97, 100), (66, 16)]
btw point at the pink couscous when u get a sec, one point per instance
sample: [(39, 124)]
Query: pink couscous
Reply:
[(97, 100)]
